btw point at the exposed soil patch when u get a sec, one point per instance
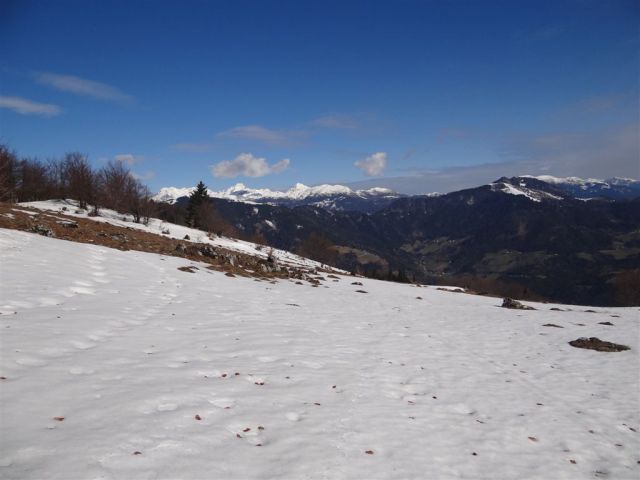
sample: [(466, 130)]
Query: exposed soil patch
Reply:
[(514, 304), (455, 290), (190, 269), (594, 343)]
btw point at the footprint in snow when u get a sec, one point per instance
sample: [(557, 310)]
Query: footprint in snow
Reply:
[(461, 408), (314, 365), (82, 345), (224, 403), (80, 371), (255, 380), (252, 434), (31, 362), (82, 290), (267, 359), (54, 352)]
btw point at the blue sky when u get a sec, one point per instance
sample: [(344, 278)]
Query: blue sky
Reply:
[(420, 96)]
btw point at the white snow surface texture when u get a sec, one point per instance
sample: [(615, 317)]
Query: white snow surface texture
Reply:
[(155, 373)]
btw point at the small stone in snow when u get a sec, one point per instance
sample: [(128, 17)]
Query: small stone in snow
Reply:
[(198, 417), (369, 452)]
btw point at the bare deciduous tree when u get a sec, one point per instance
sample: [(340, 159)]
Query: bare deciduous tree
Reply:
[(8, 166), (82, 181)]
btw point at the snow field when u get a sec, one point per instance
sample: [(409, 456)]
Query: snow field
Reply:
[(117, 365)]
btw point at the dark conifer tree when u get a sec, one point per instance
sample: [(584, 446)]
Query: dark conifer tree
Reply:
[(196, 199)]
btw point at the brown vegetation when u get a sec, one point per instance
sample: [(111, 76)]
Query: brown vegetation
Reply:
[(318, 248), (83, 230)]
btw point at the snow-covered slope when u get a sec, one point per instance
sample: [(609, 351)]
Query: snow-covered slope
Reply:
[(336, 197), (117, 365), (585, 189), (159, 227), (546, 187), (521, 188)]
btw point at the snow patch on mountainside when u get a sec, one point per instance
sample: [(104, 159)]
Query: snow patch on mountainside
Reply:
[(530, 193), (585, 183), (568, 180)]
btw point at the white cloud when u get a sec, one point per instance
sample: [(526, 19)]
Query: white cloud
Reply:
[(128, 158), (262, 134), (82, 86), (373, 165), (247, 165), (28, 107)]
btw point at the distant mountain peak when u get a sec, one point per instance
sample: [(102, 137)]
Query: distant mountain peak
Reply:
[(580, 188), (331, 197)]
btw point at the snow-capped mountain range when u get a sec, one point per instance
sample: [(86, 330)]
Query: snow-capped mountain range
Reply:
[(332, 197), (343, 198)]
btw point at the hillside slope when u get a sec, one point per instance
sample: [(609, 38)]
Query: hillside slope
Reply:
[(116, 364), (507, 240)]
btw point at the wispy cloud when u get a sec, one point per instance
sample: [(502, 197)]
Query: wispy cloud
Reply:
[(265, 135), (82, 86), (597, 104), (247, 165), (452, 134), (598, 154), (595, 154), (192, 147), (373, 165), (24, 106), (128, 158), (336, 121), (148, 175)]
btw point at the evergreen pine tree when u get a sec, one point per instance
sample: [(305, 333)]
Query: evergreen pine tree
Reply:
[(196, 199)]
